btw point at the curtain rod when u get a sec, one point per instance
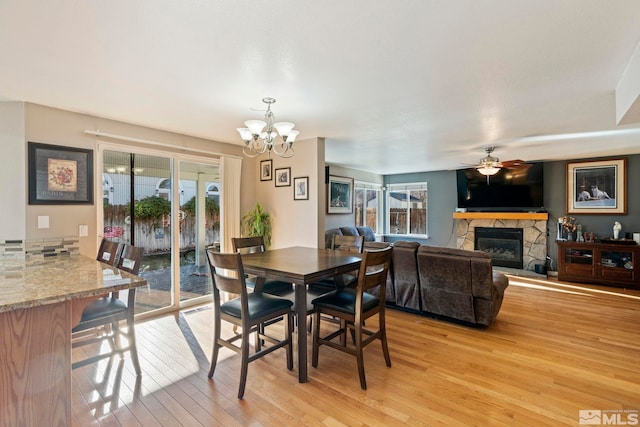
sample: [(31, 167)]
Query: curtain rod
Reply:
[(147, 141)]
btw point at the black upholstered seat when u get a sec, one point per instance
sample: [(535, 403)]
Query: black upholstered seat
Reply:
[(249, 311), (352, 306), (109, 311)]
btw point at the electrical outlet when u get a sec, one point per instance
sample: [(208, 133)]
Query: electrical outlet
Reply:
[(83, 230)]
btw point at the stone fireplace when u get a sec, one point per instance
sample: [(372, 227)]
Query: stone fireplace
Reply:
[(534, 232)]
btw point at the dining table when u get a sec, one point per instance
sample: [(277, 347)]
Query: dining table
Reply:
[(300, 266), (41, 300)]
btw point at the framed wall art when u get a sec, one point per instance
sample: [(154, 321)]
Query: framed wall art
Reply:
[(340, 195), (266, 170), (597, 187), (283, 177), (60, 175), (301, 188)]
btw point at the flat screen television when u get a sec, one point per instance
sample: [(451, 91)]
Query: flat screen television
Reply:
[(512, 189)]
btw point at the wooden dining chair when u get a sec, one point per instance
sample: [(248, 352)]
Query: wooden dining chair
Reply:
[(109, 252), (250, 245), (109, 311), (352, 306), (248, 311), (354, 244)]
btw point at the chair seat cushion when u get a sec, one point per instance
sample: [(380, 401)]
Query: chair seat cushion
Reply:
[(349, 281), (259, 305), (103, 307), (344, 300), (270, 286)]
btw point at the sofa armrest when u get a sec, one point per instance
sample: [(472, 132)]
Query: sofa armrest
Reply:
[(500, 281)]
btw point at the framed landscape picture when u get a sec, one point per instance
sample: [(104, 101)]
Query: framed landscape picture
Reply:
[(340, 195), (283, 177), (301, 188), (597, 187), (60, 175)]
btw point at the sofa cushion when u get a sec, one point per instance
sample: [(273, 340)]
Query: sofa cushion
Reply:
[(405, 274), (349, 231), (328, 236), (453, 251), (367, 232)]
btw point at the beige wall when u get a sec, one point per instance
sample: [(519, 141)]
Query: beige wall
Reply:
[(13, 191), (299, 223), (295, 222), (54, 126)]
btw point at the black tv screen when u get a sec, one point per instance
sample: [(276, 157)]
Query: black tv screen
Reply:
[(513, 189)]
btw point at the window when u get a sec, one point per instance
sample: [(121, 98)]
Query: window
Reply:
[(367, 204), (407, 209)]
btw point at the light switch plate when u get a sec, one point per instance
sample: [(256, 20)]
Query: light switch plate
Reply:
[(43, 222), (83, 230)]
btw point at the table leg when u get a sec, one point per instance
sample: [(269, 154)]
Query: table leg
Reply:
[(301, 314)]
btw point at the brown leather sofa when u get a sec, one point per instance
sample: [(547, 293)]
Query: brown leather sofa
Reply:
[(405, 275), (460, 284), (452, 283)]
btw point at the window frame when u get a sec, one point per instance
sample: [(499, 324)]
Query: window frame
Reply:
[(378, 188), (406, 188)]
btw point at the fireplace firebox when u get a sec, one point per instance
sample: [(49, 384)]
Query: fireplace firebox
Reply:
[(504, 245)]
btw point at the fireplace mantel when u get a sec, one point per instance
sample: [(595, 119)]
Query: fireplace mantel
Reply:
[(538, 216)]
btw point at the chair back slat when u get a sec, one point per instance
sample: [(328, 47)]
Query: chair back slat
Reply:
[(227, 273), (374, 269), (248, 245), (347, 243), (130, 258), (108, 252)]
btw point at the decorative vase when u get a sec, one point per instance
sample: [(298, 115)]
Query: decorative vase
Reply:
[(570, 236)]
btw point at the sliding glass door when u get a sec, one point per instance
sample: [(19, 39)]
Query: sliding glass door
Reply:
[(199, 229), (174, 223)]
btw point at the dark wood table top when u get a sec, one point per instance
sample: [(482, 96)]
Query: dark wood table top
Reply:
[(300, 265)]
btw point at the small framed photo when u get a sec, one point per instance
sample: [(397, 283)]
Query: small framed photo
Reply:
[(266, 170), (340, 195), (283, 177), (301, 188), (597, 187), (60, 175)]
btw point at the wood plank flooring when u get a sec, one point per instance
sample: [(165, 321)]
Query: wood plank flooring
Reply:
[(555, 349)]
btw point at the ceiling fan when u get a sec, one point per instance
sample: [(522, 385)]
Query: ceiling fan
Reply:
[(490, 165)]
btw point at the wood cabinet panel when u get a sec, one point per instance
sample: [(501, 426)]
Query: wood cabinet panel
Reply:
[(607, 264)]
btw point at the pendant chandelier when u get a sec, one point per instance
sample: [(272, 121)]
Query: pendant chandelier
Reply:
[(261, 136)]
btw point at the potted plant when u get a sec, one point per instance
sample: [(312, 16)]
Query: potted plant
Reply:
[(257, 222)]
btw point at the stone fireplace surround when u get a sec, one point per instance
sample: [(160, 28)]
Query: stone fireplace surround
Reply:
[(534, 228)]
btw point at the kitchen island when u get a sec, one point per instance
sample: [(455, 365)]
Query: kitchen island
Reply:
[(41, 300)]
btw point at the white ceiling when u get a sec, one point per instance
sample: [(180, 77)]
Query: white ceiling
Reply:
[(393, 86)]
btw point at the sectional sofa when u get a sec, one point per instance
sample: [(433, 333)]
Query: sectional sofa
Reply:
[(452, 284)]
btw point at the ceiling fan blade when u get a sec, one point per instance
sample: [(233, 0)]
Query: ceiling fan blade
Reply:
[(512, 163)]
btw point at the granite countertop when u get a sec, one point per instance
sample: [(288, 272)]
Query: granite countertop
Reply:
[(35, 282)]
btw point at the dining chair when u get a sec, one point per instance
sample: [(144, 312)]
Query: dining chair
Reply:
[(248, 311), (354, 244), (250, 245), (352, 306), (108, 252), (109, 311)]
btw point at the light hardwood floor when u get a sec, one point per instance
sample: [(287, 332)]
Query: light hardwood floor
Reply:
[(555, 349)]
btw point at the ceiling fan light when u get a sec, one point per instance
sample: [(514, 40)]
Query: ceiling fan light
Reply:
[(488, 170), (283, 128), (255, 126)]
